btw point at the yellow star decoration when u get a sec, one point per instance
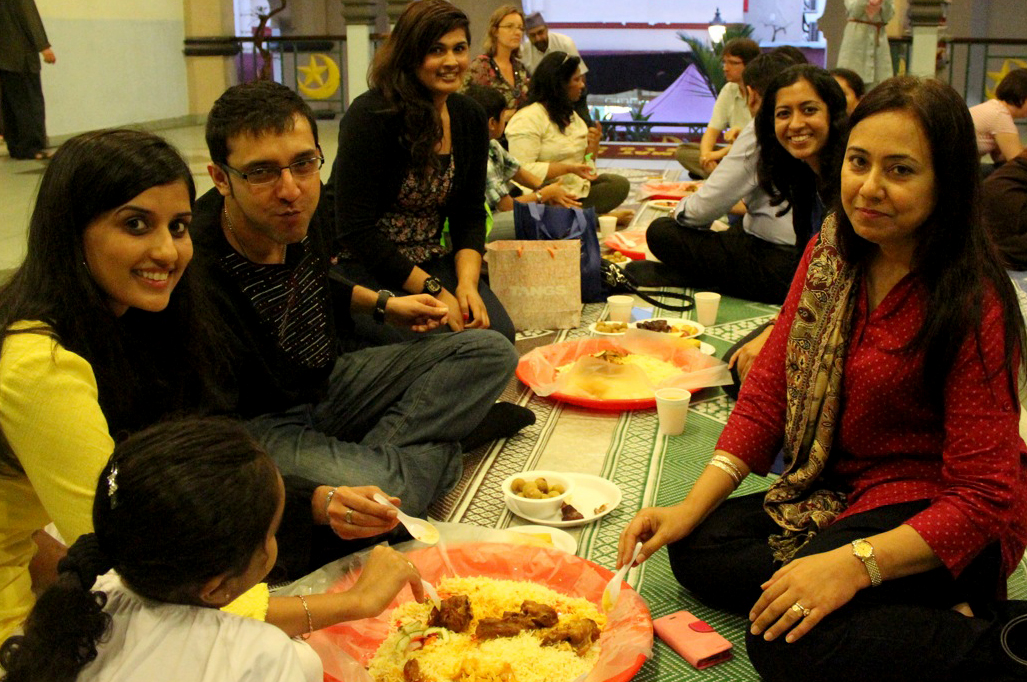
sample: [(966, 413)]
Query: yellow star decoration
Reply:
[(997, 76), (320, 77)]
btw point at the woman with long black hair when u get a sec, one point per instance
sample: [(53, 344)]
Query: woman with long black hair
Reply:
[(551, 141), (411, 161), (891, 380)]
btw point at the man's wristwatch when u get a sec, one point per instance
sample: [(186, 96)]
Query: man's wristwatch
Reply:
[(432, 286), (864, 551), (379, 307)]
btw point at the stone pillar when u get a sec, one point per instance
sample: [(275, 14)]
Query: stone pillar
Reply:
[(362, 17), (210, 68), (925, 17)]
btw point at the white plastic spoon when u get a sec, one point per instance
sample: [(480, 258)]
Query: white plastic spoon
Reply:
[(429, 589), (419, 528), (612, 590)]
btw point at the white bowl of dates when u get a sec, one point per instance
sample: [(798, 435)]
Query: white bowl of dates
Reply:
[(537, 494)]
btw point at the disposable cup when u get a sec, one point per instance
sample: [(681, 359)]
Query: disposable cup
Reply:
[(672, 410), (620, 307), (607, 225), (706, 304)]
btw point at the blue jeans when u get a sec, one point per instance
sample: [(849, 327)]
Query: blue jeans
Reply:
[(393, 416)]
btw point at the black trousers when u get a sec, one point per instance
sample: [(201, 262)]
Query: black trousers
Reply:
[(24, 113), (904, 629), (733, 263)]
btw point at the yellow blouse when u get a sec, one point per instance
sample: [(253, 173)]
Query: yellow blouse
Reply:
[(52, 421)]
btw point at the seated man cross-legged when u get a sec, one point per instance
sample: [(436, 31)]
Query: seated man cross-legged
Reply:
[(398, 417)]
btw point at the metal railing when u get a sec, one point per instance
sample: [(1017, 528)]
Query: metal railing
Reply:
[(314, 66), (973, 66), (641, 131)]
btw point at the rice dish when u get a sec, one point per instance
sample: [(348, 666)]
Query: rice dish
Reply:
[(623, 376), (462, 657)]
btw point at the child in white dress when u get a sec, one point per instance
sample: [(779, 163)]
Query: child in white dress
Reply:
[(185, 516)]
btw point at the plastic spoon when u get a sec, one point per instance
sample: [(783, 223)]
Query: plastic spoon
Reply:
[(612, 590), (419, 528), (429, 589)]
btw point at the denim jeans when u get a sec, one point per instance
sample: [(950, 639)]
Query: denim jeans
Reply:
[(393, 416)]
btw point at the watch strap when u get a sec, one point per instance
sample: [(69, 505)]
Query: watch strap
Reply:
[(379, 307), (864, 551)]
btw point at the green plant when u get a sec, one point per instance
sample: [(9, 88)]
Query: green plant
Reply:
[(707, 58), (639, 133)]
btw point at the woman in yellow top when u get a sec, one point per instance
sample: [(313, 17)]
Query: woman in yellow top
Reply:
[(95, 346)]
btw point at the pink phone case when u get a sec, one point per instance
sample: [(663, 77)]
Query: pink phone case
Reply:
[(695, 640)]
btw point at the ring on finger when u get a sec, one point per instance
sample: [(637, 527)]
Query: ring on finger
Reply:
[(800, 609), (349, 516)]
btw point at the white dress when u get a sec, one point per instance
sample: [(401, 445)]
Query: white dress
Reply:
[(158, 642), (864, 46)]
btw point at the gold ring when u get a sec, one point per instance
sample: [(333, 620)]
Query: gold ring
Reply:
[(800, 609), (349, 516)]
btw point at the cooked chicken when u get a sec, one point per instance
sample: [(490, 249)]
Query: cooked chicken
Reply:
[(492, 628), (455, 615), (412, 672), (541, 615), (579, 633), (570, 513)]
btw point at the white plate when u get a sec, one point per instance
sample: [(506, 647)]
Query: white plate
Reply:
[(672, 321), (663, 204), (592, 328), (590, 492), (706, 348), (561, 539)]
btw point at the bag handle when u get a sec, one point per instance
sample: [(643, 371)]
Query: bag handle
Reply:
[(537, 210)]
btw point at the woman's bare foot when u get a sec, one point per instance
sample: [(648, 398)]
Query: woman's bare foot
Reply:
[(964, 609)]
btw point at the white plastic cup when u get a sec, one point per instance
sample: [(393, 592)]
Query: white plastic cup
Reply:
[(607, 225), (620, 307), (706, 304), (672, 409)]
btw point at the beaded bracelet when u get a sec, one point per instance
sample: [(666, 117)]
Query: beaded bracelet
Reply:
[(310, 621)]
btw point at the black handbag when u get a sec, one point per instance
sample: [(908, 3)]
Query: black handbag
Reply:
[(616, 281)]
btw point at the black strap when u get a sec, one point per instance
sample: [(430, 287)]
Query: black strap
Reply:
[(617, 281)]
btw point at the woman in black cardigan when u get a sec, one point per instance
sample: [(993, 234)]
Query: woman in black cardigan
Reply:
[(412, 157)]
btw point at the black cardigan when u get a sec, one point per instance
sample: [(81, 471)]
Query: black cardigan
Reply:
[(369, 170)]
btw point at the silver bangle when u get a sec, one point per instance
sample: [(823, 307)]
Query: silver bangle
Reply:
[(310, 621), (727, 469), (328, 503), (734, 467)]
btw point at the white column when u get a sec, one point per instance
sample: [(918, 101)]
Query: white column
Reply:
[(923, 56), (358, 58)]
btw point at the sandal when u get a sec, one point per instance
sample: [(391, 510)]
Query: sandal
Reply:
[(42, 155)]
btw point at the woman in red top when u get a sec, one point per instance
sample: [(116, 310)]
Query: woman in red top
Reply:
[(890, 380)]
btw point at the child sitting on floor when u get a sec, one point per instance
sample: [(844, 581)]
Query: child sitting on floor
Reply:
[(502, 168), (185, 514)]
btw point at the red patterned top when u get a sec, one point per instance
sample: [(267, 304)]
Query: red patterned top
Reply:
[(892, 444)]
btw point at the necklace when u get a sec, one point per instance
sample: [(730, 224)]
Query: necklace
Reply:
[(231, 228)]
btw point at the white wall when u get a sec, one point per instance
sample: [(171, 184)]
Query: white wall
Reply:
[(118, 62), (646, 11)]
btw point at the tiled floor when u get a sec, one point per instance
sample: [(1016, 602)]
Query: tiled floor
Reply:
[(19, 181)]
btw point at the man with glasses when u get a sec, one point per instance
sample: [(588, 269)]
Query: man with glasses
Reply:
[(730, 112), (393, 418)]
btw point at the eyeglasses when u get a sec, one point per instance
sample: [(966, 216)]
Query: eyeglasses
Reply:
[(514, 27), (265, 175)]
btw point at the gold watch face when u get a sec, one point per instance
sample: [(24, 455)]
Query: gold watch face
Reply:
[(863, 549)]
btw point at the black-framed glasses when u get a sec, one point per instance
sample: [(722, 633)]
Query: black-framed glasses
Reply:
[(265, 175)]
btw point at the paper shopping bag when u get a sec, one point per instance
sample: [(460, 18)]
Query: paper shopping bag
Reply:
[(538, 282)]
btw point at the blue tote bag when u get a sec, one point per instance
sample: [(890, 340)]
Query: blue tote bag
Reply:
[(539, 221)]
